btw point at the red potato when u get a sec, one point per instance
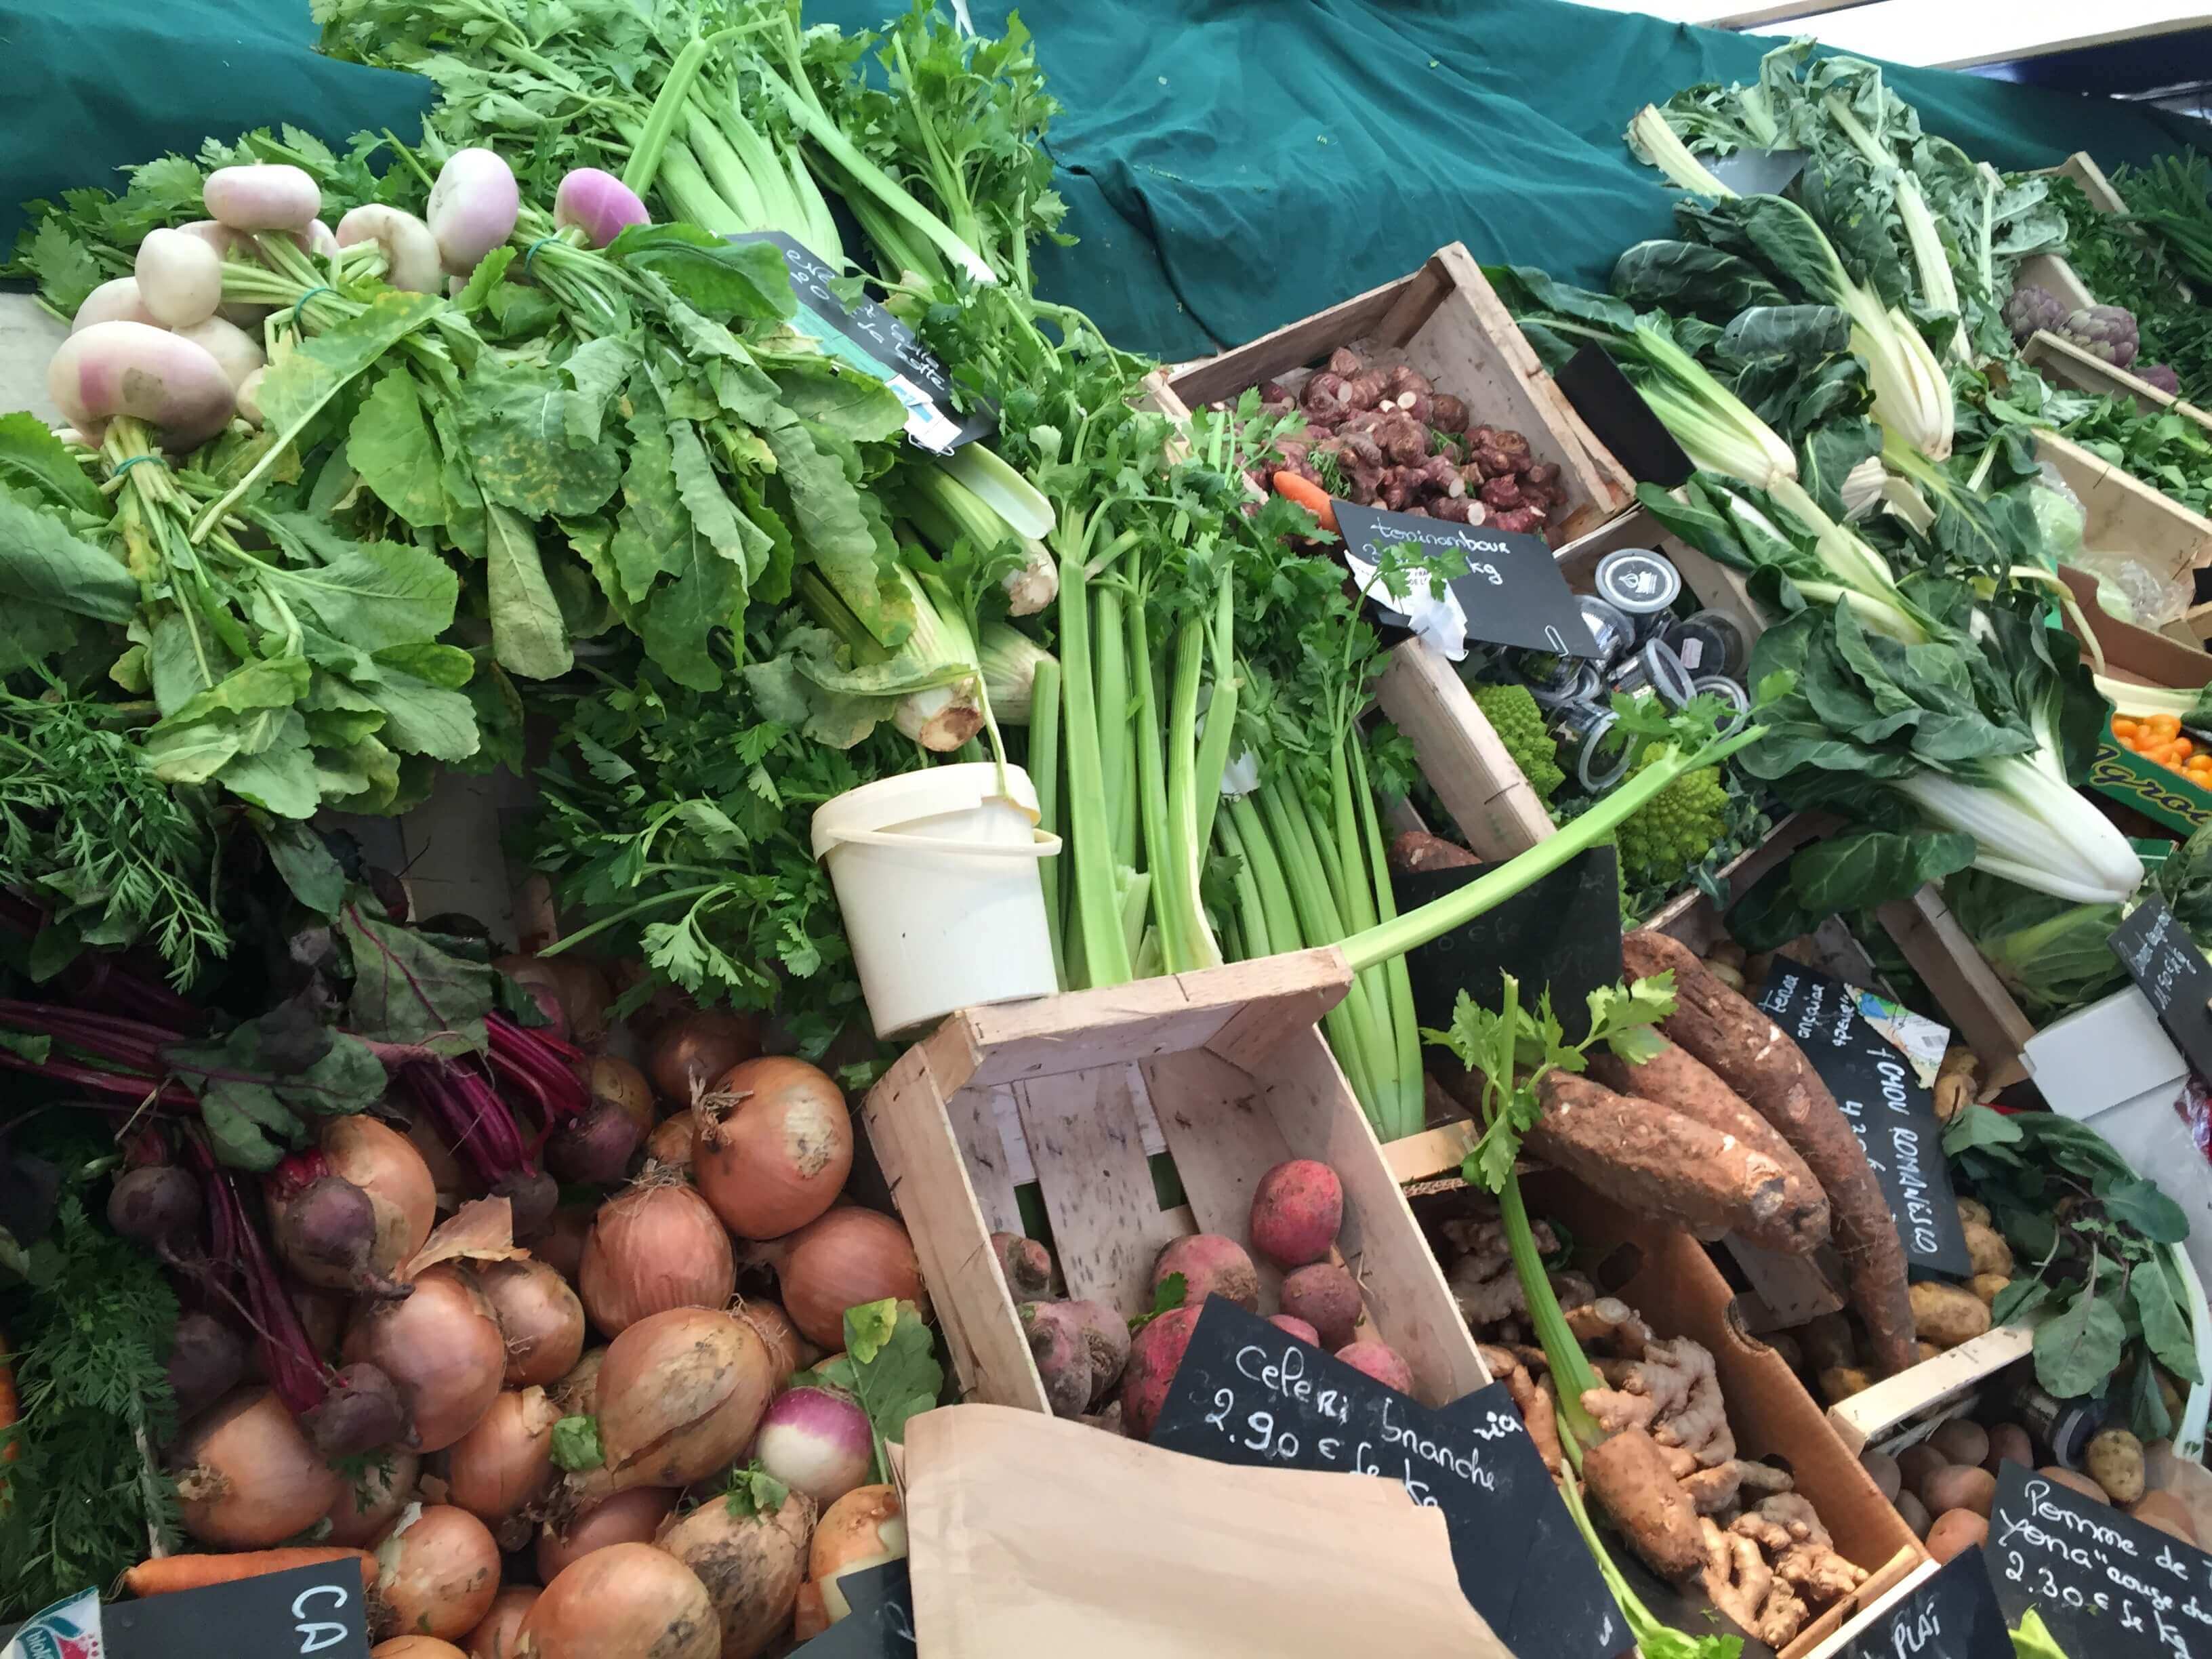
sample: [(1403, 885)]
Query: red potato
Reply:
[(1062, 1354), (1296, 1327), (1326, 1298), (1154, 1353), (1380, 1361), (1211, 1265), (1295, 1212)]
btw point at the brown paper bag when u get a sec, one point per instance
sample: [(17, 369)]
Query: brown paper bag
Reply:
[(1029, 1536)]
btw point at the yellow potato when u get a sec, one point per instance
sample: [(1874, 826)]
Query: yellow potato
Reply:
[(1987, 1248), (1946, 1315), (2115, 1461)]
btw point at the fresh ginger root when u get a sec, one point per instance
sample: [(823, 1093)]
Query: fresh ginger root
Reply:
[(1724, 1485), (1674, 1392), (1786, 1526), (1743, 1586), (1482, 1280), (1538, 1414), (1607, 1321)]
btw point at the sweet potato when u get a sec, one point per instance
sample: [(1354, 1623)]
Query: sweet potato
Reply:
[(1325, 1296), (1755, 1058), (1154, 1353), (1211, 1265), (1295, 1212), (1963, 1441), (1629, 1476), (1957, 1532), (1960, 1489), (2009, 1443), (1655, 1162), (1918, 1465), (1679, 1081), (1380, 1361)]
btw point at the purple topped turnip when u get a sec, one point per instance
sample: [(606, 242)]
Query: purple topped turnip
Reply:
[(238, 352), (147, 374), (268, 195), (599, 205), (115, 302), (473, 208), (410, 253)]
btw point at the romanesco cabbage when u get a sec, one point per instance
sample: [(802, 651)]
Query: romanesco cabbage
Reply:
[(1513, 714), (1675, 831)]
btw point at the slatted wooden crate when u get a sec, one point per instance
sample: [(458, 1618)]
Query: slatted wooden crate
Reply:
[(1229, 1062), (1901, 1410), (2061, 361), (2126, 515), (1447, 321)]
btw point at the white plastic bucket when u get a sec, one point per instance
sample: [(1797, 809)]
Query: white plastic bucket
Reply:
[(936, 874)]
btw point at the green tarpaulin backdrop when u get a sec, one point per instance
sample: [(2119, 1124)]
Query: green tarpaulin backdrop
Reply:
[(1229, 164)]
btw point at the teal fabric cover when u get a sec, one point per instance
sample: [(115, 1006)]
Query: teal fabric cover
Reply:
[(1229, 164)]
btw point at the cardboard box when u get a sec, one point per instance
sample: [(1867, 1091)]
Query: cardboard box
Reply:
[(2143, 658), (1668, 1278)]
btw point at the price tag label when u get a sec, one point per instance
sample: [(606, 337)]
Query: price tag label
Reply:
[(2169, 969), (307, 1612), (1512, 593), (869, 338), (1249, 1393), (2104, 1584), (1953, 1614)]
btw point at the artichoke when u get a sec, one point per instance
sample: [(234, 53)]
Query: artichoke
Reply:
[(2105, 331), (2162, 377), (2030, 308)]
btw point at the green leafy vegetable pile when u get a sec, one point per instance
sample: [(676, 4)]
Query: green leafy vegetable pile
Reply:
[(2094, 1241)]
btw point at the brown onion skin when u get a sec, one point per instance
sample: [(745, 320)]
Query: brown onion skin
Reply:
[(366, 1509), (751, 1565), (447, 1179), (776, 1154), (444, 1577), (384, 1163), (629, 1518), (226, 1499), (848, 1257), (505, 1463), (786, 1347), (539, 1314), (672, 1141), (496, 1637), (681, 1395), (694, 1048), (577, 1393), (654, 1247), (627, 1601), (442, 1350)]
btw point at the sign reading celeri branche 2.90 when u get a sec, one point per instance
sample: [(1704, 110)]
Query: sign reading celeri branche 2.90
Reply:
[(1891, 1110)]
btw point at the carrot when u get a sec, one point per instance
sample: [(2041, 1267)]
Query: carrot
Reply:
[(170, 1573), (1307, 495)]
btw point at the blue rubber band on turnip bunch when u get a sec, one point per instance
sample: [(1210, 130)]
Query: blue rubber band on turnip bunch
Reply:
[(299, 303)]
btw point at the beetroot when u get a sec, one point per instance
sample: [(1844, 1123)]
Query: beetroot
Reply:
[(206, 1361), (596, 1147), (1326, 1297), (1024, 1264), (329, 1224), (1380, 1361), (158, 1205), (361, 1411), (1154, 1353), (1211, 1265), (1295, 1212), (1107, 1336), (1296, 1327), (1062, 1353)]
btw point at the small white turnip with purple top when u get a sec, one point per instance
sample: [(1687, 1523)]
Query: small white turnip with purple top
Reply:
[(410, 253), (179, 278), (472, 208), (114, 302), (599, 205), (815, 1440), (147, 374), (238, 352), (268, 195)]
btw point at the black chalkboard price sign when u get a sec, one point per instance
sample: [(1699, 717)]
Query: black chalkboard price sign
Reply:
[(1512, 593), (2171, 972), (865, 334), (880, 1625), (1953, 1614), (307, 1612), (2104, 1584), (1893, 1114), (1250, 1393)]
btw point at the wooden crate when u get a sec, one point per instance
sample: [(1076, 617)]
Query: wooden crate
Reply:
[(1667, 1277), (2123, 514), (1447, 321), (1901, 1410), (1231, 1064), (2063, 361)]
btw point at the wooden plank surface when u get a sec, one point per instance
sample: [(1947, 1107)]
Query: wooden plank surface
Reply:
[(1096, 1181), (2050, 271), (1880, 1415), (1404, 1289), (911, 1130), (1966, 988), (1119, 1024), (2063, 361), (1461, 757)]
